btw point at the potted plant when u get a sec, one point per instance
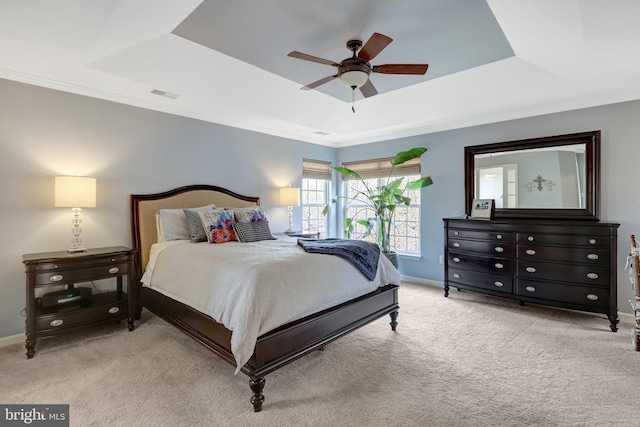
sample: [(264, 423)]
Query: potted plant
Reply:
[(382, 201)]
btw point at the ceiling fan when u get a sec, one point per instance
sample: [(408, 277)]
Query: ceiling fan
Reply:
[(355, 71)]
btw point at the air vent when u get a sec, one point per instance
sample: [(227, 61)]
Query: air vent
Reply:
[(165, 94)]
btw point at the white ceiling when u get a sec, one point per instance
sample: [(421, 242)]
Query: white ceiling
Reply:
[(226, 60)]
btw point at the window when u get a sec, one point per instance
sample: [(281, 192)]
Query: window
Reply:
[(405, 235), (316, 180)]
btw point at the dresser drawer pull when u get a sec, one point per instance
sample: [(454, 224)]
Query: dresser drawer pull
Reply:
[(56, 322), (456, 276), (456, 244), (530, 269), (56, 278), (530, 289), (498, 284), (498, 265), (592, 256), (456, 259), (592, 275), (114, 310), (499, 249), (530, 238), (499, 237), (592, 297), (114, 270), (456, 233), (592, 241), (530, 252)]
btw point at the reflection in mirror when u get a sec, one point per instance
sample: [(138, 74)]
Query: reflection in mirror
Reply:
[(553, 177), (547, 178)]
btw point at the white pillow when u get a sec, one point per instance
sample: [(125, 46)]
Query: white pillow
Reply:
[(172, 224)]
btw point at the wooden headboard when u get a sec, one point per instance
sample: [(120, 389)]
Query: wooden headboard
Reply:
[(145, 206)]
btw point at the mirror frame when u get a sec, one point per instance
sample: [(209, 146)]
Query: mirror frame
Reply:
[(591, 210)]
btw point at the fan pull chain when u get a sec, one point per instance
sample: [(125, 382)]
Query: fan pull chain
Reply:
[(353, 99)]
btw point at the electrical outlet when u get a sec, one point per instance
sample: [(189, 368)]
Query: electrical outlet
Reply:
[(441, 259)]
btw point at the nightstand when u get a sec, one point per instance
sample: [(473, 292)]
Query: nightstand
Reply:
[(71, 312), (303, 235)]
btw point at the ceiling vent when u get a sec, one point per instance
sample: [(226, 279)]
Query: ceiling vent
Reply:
[(165, 94)]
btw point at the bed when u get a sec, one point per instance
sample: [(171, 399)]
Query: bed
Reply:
[(273, 348)]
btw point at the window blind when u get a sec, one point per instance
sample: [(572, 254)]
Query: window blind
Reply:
[(316, 169), (381, 168)]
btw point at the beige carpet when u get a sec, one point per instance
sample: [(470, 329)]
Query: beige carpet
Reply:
[(466, 360)]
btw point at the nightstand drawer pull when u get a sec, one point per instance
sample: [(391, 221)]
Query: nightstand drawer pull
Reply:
[(456, 276), (114, 270), (456, 233), (456, 244), (498, 284), (114, 310), (499, 249), (592, 256), (592, 297), (530, 289), (592, 275), (56, 322), (56, 278), (499, 236), (456, 259), (498, 265), (530, 252), (530, 269)]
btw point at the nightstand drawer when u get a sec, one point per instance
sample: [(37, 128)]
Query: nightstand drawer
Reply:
[(53, 276), (101, 307)]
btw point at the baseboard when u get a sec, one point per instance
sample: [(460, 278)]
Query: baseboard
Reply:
[(626, 318), (12, 339)]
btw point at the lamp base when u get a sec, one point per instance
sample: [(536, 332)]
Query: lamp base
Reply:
[(290, 231), (77, 249)]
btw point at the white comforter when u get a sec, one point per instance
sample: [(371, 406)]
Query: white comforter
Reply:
[(252, 288)]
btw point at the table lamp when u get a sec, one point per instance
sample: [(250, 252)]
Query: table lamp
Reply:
[(289, 197), (75, 192)]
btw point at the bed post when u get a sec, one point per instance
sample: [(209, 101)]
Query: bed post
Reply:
[(256, 387)]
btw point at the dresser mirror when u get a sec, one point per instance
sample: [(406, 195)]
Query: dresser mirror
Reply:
[(556, 177)]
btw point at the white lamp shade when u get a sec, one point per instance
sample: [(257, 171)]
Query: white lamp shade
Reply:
[(290, 196), (75, 192), (355, 78)]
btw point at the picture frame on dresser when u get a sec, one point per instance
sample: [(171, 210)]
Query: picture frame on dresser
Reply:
[(483, 209)]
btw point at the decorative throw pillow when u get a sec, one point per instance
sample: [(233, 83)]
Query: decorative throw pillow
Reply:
[(249, 214), (196, 231), (252, 231), (218, 225)]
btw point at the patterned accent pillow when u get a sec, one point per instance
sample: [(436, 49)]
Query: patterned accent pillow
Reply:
[(249, 214), (196, 232), (218, 225), (252, 231)]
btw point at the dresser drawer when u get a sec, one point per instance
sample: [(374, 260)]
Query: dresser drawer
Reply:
[(574, 273), (70, 274), (591, 256), (564, 240), (481, 247), (492, 236), (583, 295), (104, 306), (480, 280), (480, 263)]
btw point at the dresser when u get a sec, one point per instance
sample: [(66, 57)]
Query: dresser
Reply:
[(568, 264)]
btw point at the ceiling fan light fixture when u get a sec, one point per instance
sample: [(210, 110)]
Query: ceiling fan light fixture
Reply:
[(355, 78)]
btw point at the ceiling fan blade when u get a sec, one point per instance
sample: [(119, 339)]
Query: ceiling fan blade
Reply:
[(368, 89), (400, 68), (300, 55), (374, 46), (319, 82)]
